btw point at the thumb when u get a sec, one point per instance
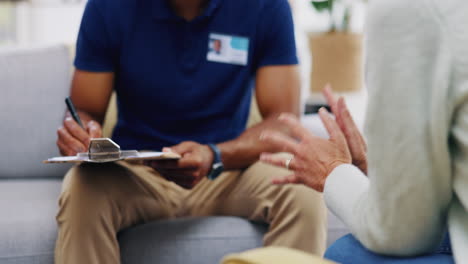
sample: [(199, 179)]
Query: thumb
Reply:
[(94, 129), (181, 148)]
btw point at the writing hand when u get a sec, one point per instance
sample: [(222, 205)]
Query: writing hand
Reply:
[(72, 138)]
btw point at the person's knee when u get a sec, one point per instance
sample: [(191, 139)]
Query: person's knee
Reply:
[(87, 193), (300, 211), (306, 203), (85, 182)]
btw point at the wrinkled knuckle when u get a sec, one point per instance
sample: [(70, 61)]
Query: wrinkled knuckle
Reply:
[(266, 135)]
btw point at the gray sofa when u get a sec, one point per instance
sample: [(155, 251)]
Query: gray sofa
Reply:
[(33, 85)]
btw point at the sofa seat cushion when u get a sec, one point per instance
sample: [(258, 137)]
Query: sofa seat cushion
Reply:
[(28, 231), (27, 225), (194, 241)]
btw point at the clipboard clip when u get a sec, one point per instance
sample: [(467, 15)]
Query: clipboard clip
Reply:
[(103, 149)]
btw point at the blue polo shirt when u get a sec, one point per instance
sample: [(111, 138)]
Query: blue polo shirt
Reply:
[(178, 80)]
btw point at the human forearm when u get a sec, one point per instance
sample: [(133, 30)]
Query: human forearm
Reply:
[(245, 149), (91, 93), (277, 90), (91, 104)]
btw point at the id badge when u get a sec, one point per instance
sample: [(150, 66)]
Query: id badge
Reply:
[(228, 49)]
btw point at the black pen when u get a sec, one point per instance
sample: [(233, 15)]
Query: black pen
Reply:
[(73, 112)]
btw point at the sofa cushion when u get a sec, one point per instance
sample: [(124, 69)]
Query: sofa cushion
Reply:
[(34, 83), (194, 241), (27, 225), (28, 231)]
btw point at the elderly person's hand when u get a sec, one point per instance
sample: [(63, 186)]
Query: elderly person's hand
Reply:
[(357, 145), (314, 157)]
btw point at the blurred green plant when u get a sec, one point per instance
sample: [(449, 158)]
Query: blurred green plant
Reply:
[(329, 7), (323, 5)]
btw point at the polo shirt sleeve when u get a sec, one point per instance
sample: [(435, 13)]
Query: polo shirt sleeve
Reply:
[(277, 45), (93, 48)]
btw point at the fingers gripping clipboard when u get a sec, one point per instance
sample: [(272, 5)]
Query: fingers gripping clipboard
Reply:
[(103, 150)]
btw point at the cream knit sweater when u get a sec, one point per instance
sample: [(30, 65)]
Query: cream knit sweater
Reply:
[(417, 132)]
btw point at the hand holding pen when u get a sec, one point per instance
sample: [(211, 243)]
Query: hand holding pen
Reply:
[(77, 130)]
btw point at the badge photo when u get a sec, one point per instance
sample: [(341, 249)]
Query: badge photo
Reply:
[(228, 49)]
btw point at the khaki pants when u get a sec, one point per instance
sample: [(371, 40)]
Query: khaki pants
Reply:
[(98, 200)]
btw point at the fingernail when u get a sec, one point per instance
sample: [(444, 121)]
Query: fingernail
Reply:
[(68, 119), (167, 150), (344, 102), (341, 99)]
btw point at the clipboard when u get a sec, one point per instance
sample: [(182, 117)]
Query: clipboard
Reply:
[(102, 150)]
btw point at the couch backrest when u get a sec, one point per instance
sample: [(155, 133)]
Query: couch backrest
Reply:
[(33, 85)]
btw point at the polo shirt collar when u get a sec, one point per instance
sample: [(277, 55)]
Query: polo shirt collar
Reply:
[(162, 9)]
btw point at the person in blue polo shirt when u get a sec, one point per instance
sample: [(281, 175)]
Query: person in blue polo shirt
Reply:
[(184, 72)]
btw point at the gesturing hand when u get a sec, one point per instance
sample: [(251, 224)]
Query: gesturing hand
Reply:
[(190, 169), (357, 145), (314, 157)]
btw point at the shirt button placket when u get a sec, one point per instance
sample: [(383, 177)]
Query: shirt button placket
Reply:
[(187, 40), (190, 57)]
